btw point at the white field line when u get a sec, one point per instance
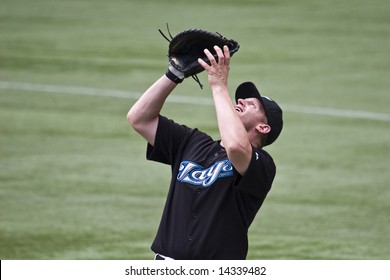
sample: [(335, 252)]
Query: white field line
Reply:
[(198, 100)]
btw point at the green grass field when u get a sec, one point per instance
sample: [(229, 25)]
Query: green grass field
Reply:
[(74, 181)]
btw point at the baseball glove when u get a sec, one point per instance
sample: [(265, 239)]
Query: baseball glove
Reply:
[(186, 47)]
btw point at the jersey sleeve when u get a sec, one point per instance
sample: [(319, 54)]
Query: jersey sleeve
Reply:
[(169, 138), (258, 178)]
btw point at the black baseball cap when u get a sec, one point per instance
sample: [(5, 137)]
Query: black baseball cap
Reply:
[(272, 110)]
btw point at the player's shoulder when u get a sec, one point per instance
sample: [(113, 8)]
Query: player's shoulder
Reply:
[(166, 124), (262, 156)]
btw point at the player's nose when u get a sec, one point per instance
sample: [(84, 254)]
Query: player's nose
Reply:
[(241, 101)]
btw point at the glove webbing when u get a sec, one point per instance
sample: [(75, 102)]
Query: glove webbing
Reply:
[(195, 77)]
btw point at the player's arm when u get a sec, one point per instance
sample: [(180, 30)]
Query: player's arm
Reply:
[(233, 133), (143, 115)]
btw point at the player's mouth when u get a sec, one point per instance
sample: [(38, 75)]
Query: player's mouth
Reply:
[(238, 109)]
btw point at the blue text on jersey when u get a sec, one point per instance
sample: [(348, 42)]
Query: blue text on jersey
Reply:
[(195, 174)]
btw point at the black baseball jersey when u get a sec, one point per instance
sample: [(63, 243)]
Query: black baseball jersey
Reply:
[(209, 206)]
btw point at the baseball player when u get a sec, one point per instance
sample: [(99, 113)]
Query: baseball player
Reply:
[(217, 187)]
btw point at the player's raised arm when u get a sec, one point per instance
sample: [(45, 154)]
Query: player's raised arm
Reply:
[(143, 115), (234, 136)]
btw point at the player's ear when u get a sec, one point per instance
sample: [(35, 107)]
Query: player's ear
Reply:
[(263, 128)]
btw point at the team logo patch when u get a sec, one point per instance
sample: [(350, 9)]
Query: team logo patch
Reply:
[(195, 174)]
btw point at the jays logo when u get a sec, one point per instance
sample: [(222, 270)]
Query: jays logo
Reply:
[(195, 174)]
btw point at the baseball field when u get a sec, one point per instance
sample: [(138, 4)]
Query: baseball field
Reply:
[(74, 181)]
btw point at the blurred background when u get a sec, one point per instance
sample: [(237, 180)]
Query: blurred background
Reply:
[(74, 181)]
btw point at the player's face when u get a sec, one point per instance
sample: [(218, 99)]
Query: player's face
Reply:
[(251, 112)]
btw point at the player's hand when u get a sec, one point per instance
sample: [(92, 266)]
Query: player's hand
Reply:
[(218, 71)]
